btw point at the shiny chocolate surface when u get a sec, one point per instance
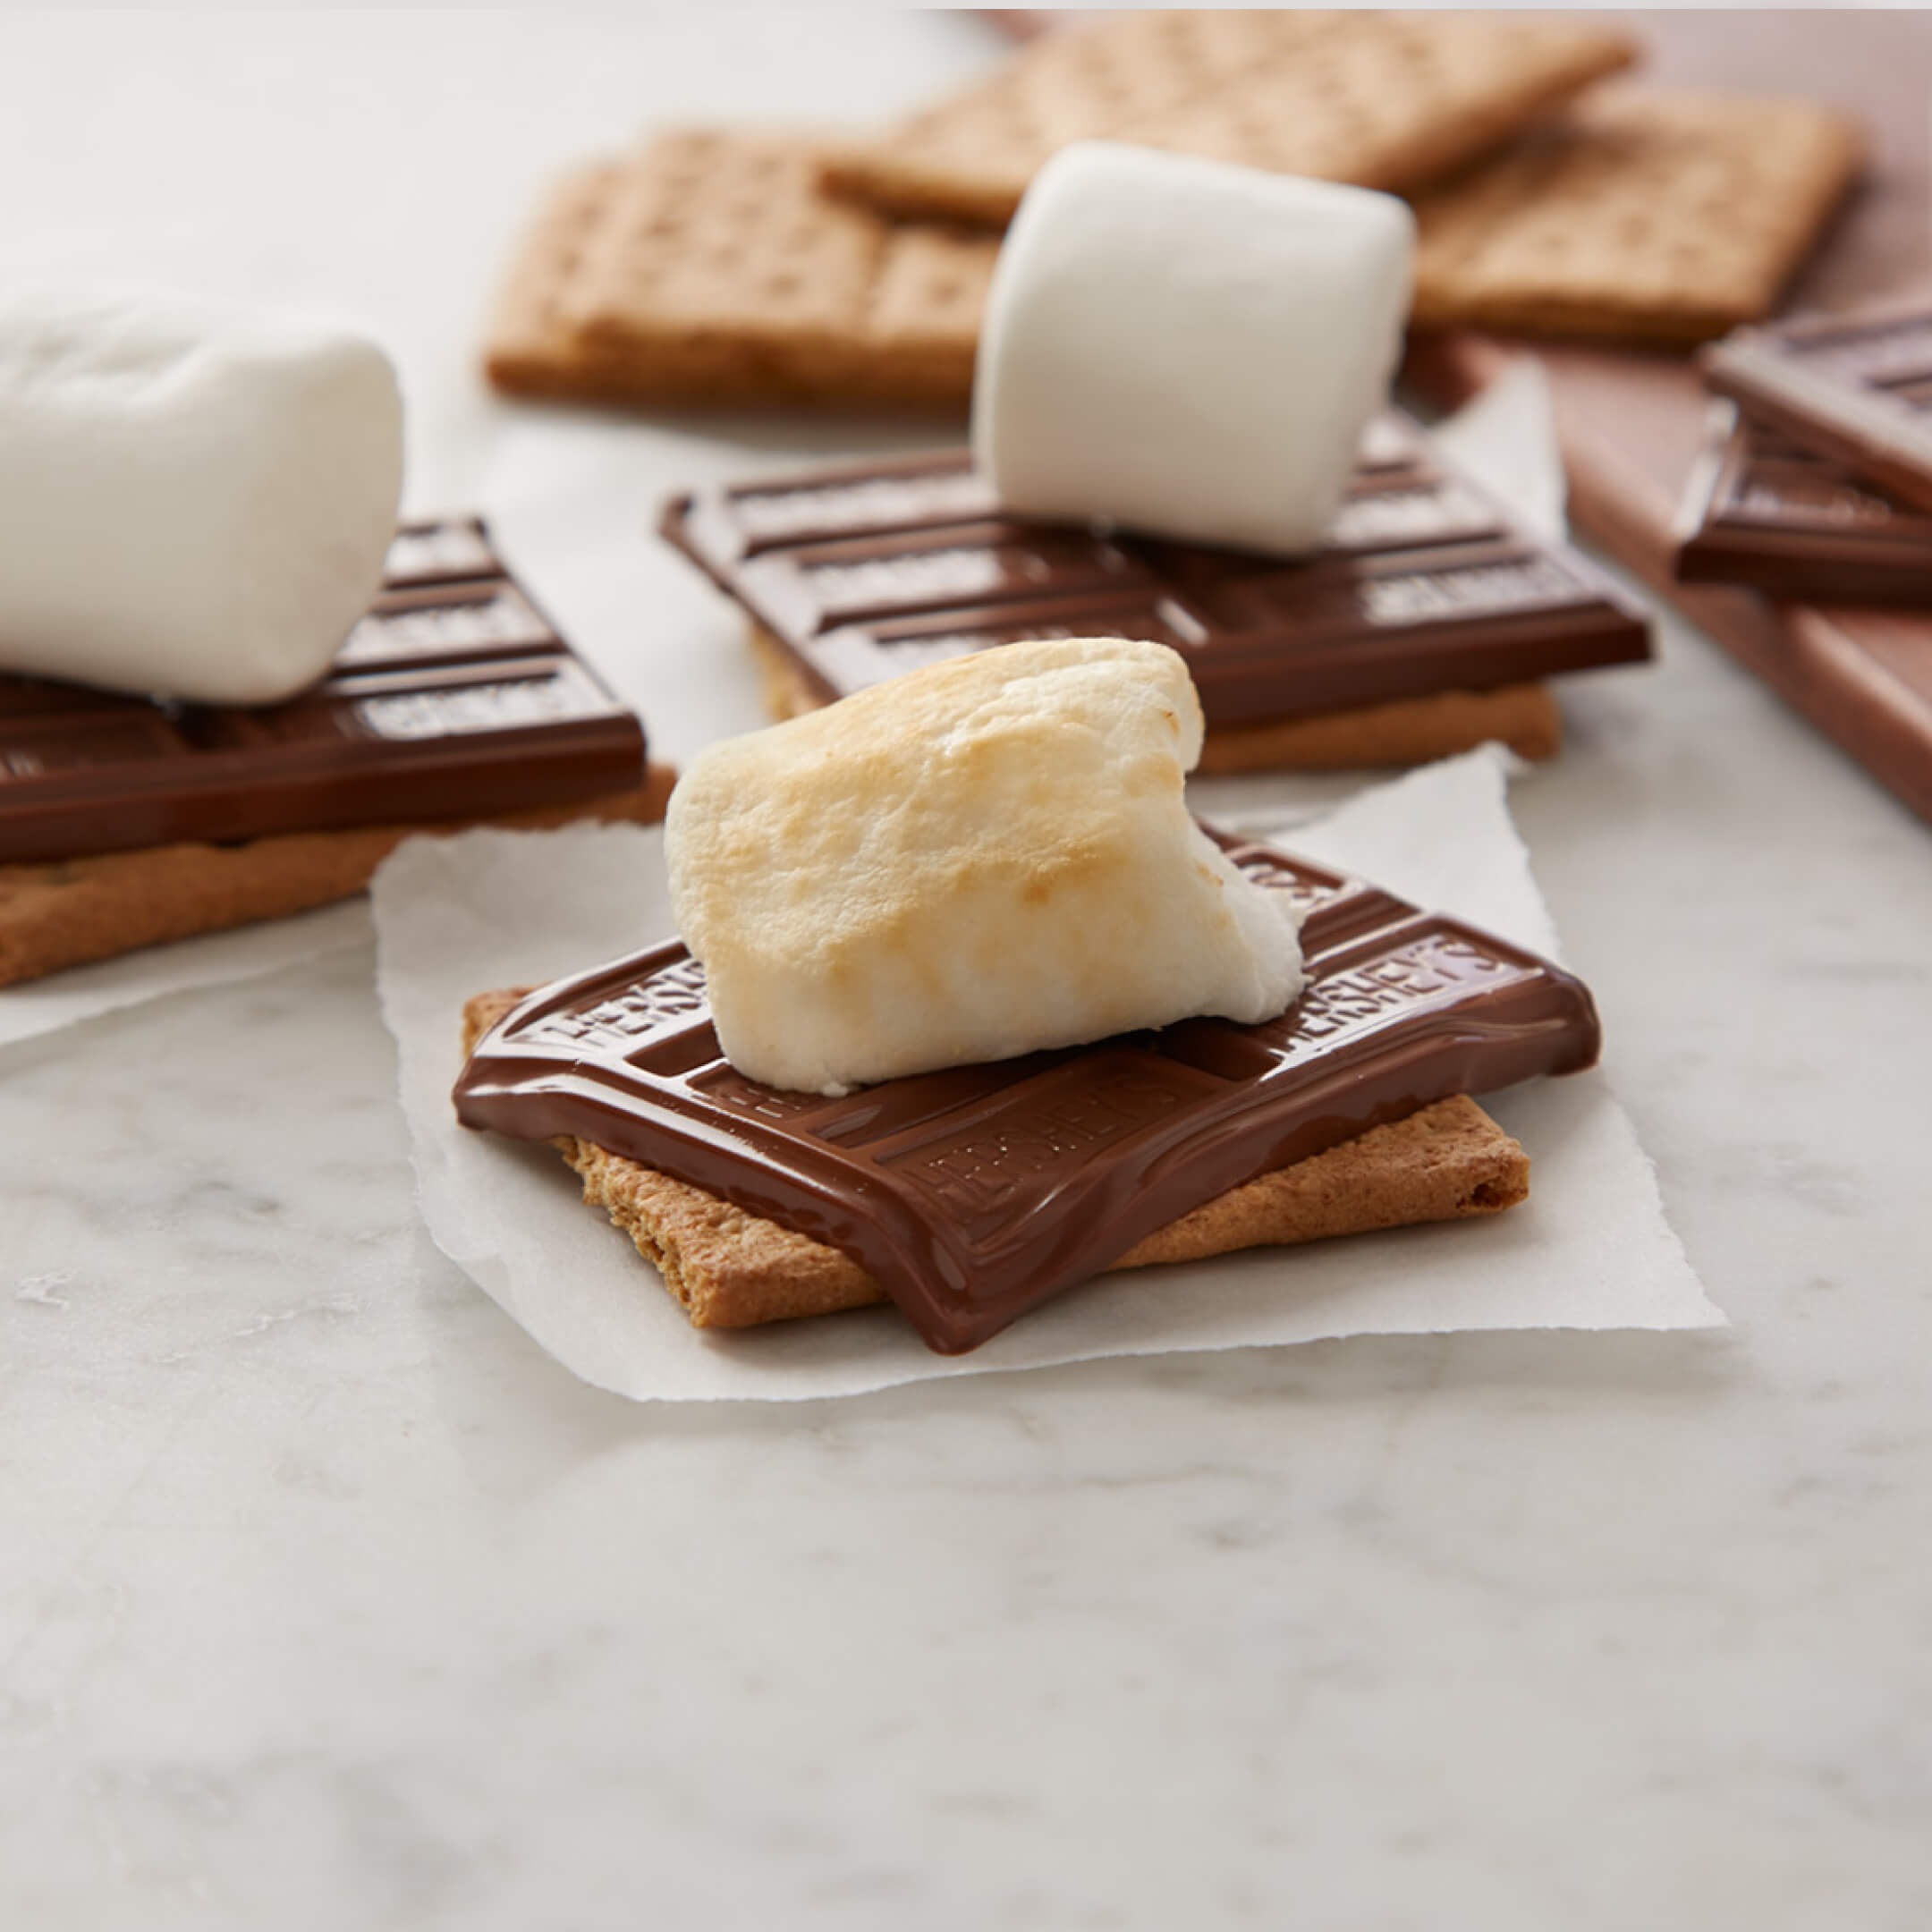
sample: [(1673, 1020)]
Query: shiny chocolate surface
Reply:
[(453, 697), (975, 1193), (866, 571)]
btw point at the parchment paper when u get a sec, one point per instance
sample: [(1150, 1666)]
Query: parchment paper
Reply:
[(1590, 1249)]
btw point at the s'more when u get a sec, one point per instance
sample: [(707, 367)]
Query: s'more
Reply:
[(967, 1010)]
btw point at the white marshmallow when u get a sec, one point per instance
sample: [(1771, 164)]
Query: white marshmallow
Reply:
[(194, 502), (970, 861), (1187, 347)]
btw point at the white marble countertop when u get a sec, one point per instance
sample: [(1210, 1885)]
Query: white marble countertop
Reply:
[(326, 1600)]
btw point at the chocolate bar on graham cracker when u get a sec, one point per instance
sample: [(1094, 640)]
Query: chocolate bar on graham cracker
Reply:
[(708, 268), (971, 1194), (1405, 731), (124, 822), (1425, 627), (1384, 100), (1636, 214), (727, 1268)]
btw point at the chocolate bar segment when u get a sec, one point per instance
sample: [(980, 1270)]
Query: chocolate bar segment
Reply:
[(1856, 388), (1760, 511), (455, 697), (973, 1194), (864, 572)]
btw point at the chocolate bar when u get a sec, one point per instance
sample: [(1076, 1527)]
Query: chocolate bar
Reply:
[(453, 697), (973, 1194), (863, 571), (1856, 388), (1759, 510)]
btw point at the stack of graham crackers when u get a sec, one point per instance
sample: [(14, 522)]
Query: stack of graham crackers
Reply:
[(713, 266)]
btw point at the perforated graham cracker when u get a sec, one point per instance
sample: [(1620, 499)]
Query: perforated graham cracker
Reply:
[(708, 268), (1405, 731), (69, 911), (1671, 216), (1386, 100), (729, 1269), (533, 348)]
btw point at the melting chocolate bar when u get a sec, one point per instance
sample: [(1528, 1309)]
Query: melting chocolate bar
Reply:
[(1856, 388), (1426, 586), (1761, 511), (973, 1194), (453, 697)]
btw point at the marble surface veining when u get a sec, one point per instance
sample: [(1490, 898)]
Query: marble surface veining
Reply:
[(325, 1600)]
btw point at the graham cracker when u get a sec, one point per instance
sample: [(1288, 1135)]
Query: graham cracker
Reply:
[(730, 1269), (1384, 100), (69, 911), (708, 268), (532, 349), (1405, 731), (1660, 215)]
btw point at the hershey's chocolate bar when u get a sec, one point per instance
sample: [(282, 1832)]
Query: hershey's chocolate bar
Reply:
[(869, 570), (973, 1194), (1856, 388), (455, 697), (1760, 511)]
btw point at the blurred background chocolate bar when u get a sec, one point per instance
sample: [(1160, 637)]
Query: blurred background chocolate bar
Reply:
[(1761, 511), (1855, 387), (452, 699)]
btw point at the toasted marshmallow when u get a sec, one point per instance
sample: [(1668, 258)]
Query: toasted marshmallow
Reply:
[(974, 860), (197, 501), (1188, 347)]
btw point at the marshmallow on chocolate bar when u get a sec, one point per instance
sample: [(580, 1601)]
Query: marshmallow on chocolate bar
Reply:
[(196, 501), (982, 858), (1187, 347)]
